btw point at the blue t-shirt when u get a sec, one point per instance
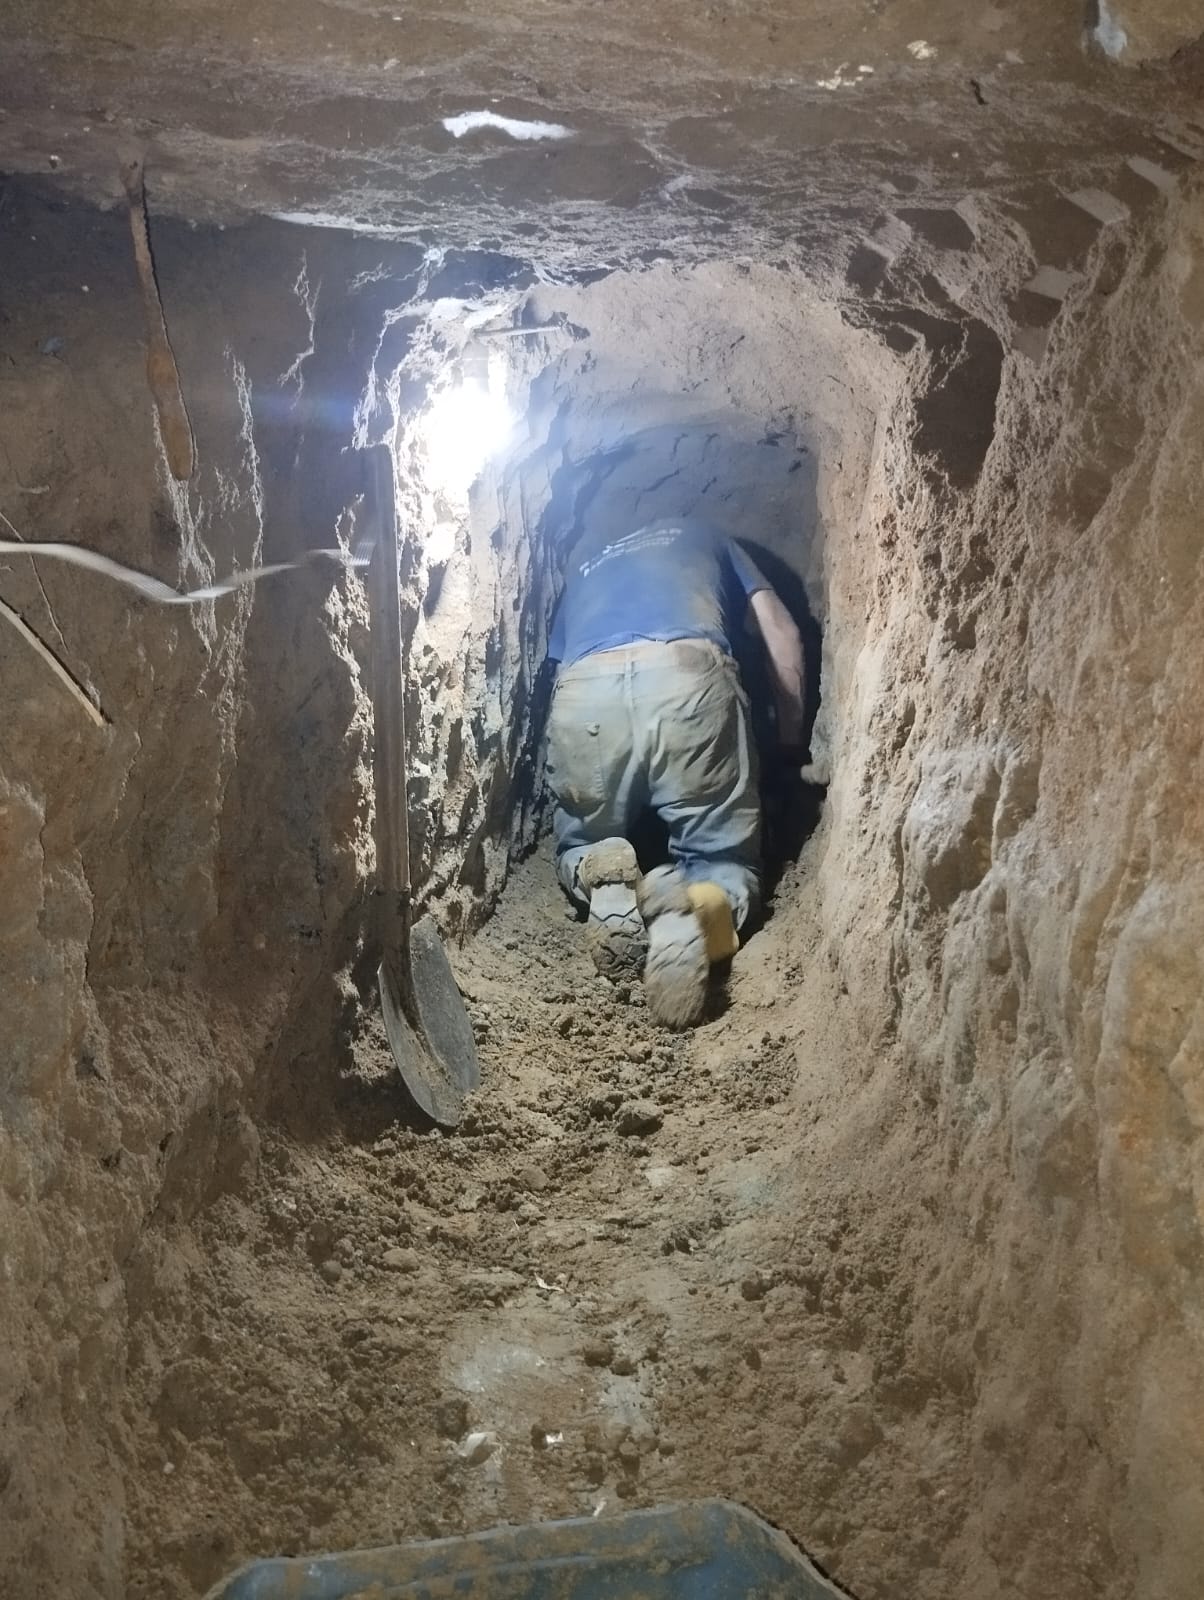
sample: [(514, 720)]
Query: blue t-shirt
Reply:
[(668, 580)]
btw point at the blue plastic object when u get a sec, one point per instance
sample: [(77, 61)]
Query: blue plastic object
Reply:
[(710, 1550)]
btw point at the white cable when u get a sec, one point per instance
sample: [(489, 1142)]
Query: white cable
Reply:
[(80, 556)]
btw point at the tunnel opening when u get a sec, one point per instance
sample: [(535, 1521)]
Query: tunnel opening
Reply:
[(706, 420), (900, 1247)]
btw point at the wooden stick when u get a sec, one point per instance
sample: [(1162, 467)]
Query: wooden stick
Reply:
[(161, 371), (53, 662), (388, 690)]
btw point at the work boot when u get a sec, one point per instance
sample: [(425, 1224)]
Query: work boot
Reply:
[(676, 969), (610, 874)]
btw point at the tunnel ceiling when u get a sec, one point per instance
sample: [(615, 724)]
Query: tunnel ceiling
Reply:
[(751, 126)]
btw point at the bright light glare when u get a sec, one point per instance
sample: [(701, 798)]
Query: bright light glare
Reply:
[(461, 429)]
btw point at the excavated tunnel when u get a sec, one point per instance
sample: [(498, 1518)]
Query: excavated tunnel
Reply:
[(901, 1246)]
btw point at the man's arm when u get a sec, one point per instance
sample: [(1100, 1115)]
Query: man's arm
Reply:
[(784, 649)]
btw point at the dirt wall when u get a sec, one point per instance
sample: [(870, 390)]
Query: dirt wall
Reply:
[(1012, 894), (183, 887)]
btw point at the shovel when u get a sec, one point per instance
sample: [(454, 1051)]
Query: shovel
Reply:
[(428, 1028)]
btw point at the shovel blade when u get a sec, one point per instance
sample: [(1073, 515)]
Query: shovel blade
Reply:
[(437, 1059), (442, 1014)]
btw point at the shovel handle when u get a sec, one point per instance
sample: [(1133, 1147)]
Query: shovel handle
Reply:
[(388, 711)]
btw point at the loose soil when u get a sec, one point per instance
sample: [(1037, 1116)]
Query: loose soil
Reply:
[(618, 1284)]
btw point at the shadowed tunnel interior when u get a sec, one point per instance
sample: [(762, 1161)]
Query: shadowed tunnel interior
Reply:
[(901, 1246)]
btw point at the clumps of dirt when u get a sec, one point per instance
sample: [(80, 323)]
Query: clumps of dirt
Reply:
[(608, 1288)]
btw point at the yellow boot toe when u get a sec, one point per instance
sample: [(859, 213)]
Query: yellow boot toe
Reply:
[(714, 911)]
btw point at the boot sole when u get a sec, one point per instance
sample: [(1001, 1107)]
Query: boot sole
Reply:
[(676, 970), (615, 934)]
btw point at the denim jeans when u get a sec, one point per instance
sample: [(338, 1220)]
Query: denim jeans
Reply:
[(665, 727)]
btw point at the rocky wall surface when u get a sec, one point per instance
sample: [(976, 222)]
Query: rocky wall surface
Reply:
[(119, 1086), (684, 125), (183, 886), (1012, 893)]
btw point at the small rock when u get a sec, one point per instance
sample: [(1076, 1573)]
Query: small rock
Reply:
[(493, 1284), (331, 1270), (622, 1366), (639, 1116), (564, 1024), (400, 1259), (754, 1287), (533, 1178), (598, 1352), (478, 1447), (451, 1417), (614, 1434), (856, 1434)]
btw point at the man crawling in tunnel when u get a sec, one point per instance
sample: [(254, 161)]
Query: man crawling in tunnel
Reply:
[(649, 714)]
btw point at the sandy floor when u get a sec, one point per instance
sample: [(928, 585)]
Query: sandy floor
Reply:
[(592, 1296)]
